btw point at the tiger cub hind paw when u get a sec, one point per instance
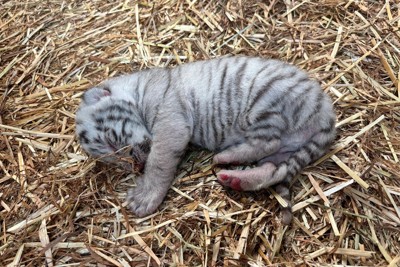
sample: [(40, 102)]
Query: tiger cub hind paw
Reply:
[(247, 180), (229, 181)]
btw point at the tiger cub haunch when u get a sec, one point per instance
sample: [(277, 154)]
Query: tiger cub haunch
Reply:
[(249, 110)]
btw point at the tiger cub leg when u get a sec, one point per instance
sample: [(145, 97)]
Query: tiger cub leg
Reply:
[(262, 177), (251, 151), (247, 180)]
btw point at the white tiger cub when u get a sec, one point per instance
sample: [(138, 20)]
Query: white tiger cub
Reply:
[(249, 110)]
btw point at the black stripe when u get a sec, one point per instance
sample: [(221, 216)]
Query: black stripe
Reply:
[(314, 112), (312, 148), (182, 105), (238, 91), (123, 130), (214, 123), (330, 129), (169, 78), (268, 126), (286, 94), (314, 143), (129, 135), (320, 146), (331, 123), (210, 107), (306, 119), (285, 120), (98, 140), (300, 103), (201, 137), (197, 116), (95, 151), (124, 105), (222, 81), (290, 93), (294, 163), (221, 139), (267, 138), (114, 134), (231, 92), (220, 114), (226, 118), (192, 101), (158, 167), (157, 109), (326, 130), (145, 91), (309, 151), (201, 122), (99, 120), (206, 123), (118, 107), (319, 103), (201, 130), (266, 115), (112, 117), (83, 137), (265, 89), (297, 168), (250, 91), (228, 96), (240, 75), (214, 108), (184, 111)]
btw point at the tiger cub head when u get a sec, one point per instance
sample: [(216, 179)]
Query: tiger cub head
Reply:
[(110, 127)]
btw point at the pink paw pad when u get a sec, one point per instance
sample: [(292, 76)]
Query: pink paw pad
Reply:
[(223, 177), (235, 184), (230, 181)]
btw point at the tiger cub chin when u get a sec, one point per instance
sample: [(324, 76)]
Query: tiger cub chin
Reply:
[(248, 110)]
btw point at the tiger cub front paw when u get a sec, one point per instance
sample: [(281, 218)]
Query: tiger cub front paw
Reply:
[(144, 200)]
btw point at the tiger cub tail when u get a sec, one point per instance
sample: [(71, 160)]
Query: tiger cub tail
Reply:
[(287, 169)]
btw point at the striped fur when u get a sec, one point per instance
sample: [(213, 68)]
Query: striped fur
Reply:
[(247, 109)]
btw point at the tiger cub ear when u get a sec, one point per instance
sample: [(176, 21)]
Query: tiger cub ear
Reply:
[(93, 95)]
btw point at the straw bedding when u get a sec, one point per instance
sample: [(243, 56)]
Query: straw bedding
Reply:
[(60, 208)]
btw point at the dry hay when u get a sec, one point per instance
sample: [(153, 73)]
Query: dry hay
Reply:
[(59, 208)]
